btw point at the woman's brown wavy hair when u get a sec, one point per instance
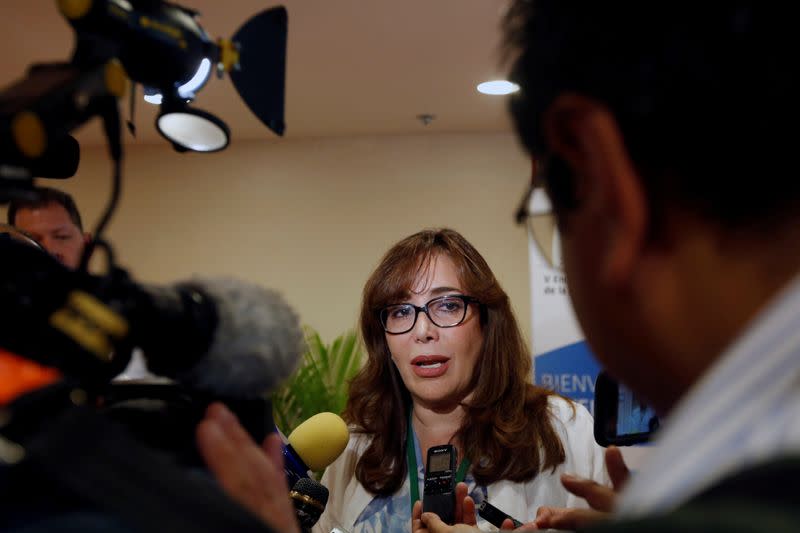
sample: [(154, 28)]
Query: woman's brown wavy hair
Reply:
[(507, 432)]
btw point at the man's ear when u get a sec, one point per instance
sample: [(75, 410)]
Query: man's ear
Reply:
[(586, 136)]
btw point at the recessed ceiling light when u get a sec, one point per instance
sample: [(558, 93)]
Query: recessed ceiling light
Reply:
[(497, 87)]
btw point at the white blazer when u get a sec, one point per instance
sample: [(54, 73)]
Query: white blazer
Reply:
[(584, 458)]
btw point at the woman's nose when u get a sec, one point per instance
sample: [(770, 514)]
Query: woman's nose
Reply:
[(424, 329)]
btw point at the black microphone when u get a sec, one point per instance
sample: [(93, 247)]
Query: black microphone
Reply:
[(309, 498)]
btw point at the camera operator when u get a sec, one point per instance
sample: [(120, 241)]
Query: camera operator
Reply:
[(52, 219), (66, 466), (240, 468)]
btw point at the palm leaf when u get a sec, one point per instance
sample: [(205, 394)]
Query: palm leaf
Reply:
[(320, 383)]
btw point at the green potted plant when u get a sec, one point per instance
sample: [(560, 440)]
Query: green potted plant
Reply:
[(321, 381)]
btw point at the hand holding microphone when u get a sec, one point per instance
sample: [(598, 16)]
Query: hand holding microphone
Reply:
[(252, 477), (312, 446), (249, 474)]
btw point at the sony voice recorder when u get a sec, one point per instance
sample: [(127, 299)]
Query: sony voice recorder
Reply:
[(440, 487)]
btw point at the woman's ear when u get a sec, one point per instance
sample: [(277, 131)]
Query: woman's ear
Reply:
[(586, 136)]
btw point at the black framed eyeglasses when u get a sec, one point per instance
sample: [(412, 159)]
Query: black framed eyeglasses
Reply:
[(536, 212), (444, 312)]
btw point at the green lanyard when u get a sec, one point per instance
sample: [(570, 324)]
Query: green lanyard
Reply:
[(412, 464)]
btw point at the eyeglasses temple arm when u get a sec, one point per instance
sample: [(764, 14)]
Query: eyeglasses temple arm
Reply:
[(522, 210)]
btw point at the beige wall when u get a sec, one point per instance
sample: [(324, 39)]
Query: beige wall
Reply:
[(310, 218)]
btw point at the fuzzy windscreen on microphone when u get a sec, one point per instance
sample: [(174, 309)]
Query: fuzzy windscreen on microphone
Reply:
[(257, 344)]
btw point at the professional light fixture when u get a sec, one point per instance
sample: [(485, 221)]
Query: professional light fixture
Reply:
[(163, 47), (192, 129), (189, 129), (156, 44), (497, 87), (186, 91)]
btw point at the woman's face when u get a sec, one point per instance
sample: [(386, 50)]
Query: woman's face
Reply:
[(436, 364)]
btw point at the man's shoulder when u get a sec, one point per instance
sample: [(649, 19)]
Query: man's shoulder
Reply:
[(764, 497), (775, 480)]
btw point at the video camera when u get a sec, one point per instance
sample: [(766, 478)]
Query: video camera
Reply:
[(161, 46), (203, 342)]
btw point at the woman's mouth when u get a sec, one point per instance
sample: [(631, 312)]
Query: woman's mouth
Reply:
[(430, 366)]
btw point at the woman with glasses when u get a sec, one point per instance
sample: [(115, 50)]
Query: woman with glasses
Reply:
[(447, 364)]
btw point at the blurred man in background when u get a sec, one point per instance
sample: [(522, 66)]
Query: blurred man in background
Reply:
[(53, 220)]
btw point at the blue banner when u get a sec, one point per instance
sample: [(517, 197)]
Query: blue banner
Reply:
[(570, 370)]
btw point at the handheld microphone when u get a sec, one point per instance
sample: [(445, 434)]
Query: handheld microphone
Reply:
[(313, 445), (309, 498)]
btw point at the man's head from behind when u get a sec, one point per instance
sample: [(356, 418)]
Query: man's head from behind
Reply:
[(701, 94), (52, 218), (660, 129)]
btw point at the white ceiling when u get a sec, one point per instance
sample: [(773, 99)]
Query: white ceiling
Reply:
[(354, 67)]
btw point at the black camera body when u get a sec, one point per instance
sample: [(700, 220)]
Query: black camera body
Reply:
[(164, 415)]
